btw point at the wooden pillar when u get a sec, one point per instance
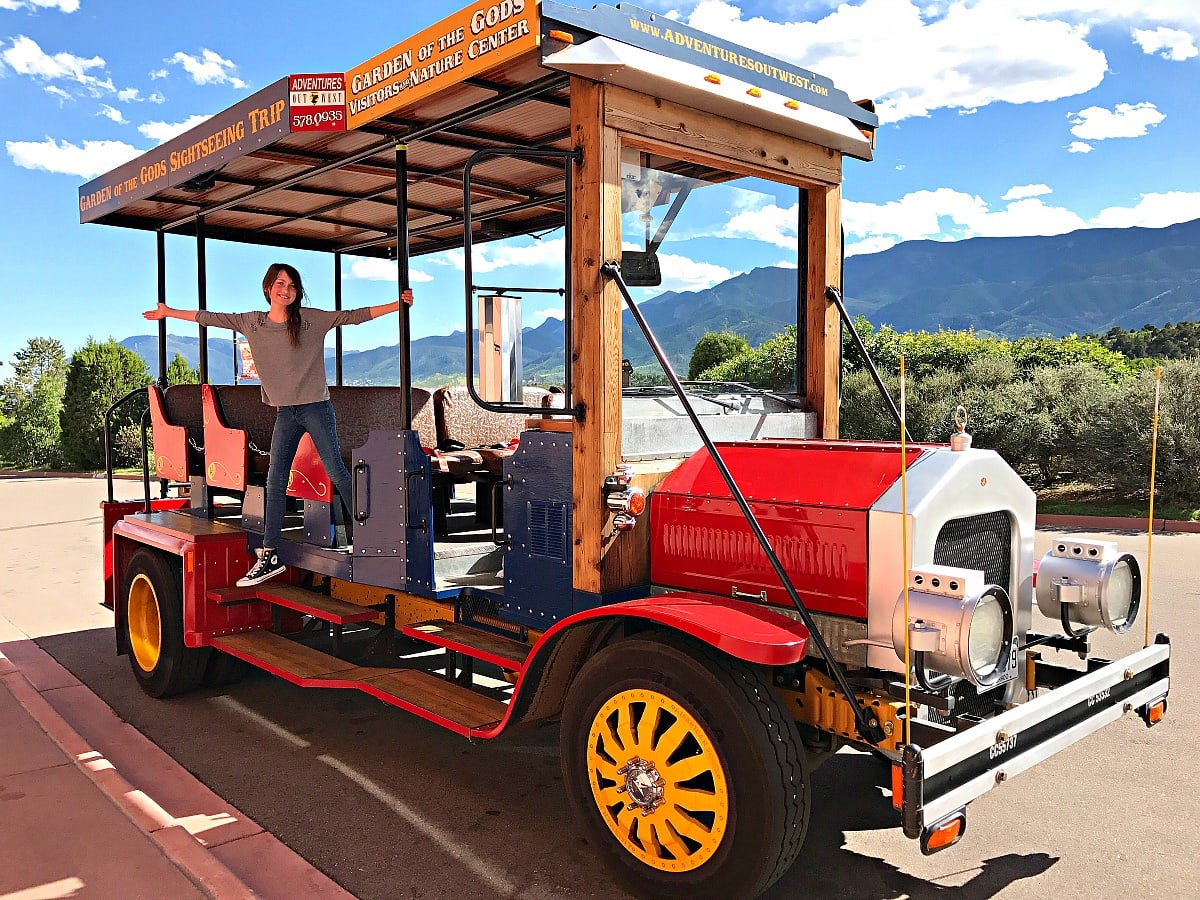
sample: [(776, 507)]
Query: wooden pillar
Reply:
[(824, 357), (596, 334)]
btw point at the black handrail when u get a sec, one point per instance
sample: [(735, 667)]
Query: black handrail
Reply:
[(108, 468), (568, 157), (868, 728), (146, 462), (834, 296)]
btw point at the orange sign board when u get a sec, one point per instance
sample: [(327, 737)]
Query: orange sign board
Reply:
[(473, 40)]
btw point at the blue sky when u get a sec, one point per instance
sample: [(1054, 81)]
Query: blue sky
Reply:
[(1000, 117)]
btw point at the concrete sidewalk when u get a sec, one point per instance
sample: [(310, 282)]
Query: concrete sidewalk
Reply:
[(89, 808)]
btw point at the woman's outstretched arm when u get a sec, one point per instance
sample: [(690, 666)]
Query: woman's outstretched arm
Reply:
[(162, 311), (385, 308)]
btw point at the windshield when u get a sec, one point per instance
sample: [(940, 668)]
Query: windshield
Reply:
[(712, 259)]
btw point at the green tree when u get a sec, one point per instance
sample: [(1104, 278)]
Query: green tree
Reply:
[(1117, 450), (179, 372), (99, 375), (770, 365), (714, 348), (30, 402)]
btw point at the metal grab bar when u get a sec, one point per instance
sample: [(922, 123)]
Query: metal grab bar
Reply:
[(108, 416)]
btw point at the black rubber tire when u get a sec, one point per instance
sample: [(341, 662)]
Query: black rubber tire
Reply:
[(176, 668), (756, 741), (223, 669)]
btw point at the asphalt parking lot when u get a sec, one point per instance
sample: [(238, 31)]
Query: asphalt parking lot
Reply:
[(390, 806)]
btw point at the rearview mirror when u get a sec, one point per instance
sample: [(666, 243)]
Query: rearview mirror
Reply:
[(639, 268)]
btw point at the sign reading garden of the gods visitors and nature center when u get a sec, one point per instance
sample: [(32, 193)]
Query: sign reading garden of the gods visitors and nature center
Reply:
[(464, 44)]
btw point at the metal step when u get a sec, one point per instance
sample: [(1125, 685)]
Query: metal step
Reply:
[(492, 648), (443, 702), (311, 603)]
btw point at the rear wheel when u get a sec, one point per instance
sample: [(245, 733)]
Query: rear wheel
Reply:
[(223, 669), (684, 767), (154, 627)]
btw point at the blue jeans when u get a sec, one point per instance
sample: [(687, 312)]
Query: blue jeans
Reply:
[(291, 424)]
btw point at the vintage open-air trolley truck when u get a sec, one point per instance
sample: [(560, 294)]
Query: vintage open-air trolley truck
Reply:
[(706, 589)]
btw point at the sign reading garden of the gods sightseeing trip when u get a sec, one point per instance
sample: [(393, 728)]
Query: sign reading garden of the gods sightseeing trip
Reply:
[(471, 41), (257, 121)]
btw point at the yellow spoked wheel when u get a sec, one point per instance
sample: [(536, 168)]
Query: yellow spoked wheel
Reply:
[(151, 617), (145, 623), (658, 780), (684, 768)]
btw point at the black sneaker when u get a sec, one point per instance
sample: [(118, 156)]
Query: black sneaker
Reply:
[(268, 566)]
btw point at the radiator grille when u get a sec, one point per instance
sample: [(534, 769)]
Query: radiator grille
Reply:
[(548, 529), (981, 542)]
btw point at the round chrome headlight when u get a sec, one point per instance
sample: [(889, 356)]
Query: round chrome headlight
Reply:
[(959, 625), (1090, 583), (985, 639)]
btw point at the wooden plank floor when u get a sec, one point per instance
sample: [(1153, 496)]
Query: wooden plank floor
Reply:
[(444, 698), (288, 656), (500, 648), (323, 607)]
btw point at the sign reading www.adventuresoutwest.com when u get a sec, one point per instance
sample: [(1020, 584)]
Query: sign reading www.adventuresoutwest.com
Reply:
[(257, 121), (471, 41)]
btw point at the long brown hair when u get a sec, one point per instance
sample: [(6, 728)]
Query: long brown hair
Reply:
[(294, 321)]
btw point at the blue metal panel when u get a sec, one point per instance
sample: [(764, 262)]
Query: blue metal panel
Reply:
[(393, 512), (537, 516)]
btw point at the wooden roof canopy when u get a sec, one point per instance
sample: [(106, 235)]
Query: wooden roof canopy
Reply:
[(310, 161)]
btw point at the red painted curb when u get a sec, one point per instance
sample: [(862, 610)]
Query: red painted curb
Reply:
[(1118, 523), (232, 869), (176, 843)]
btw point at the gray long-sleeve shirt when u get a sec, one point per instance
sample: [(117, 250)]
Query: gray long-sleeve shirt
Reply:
[(288, 375)]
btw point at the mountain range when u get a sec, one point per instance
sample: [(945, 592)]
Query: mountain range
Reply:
[(1083, 282)]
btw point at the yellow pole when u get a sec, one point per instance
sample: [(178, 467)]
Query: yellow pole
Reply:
[(1150, 525), (904, 561)]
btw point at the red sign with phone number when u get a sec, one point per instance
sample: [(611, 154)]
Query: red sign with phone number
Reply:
[(317, 102)]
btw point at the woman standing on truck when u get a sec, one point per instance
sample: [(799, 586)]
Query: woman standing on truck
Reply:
[(288, 345)]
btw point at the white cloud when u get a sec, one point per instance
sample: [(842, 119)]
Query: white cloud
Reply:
[(1020, 192), (1152, 211), (67, 6), (208, 68), (128, 95), (1127, 120), (490, 257), (915, 59), (768, 223), (1079, 147), (382, 270), (111, 112), (1169, 43), (683, 274), (55, 91), (26, 57), (86, 161), (164, 131), (945, 214)]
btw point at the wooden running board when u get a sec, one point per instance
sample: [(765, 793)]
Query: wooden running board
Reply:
[(492, 648), (443, 702), (311, 603)]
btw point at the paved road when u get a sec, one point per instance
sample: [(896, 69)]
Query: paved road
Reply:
[(392, 807)]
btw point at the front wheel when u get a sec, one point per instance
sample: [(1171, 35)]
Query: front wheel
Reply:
[(153, 622), (684, 767)]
